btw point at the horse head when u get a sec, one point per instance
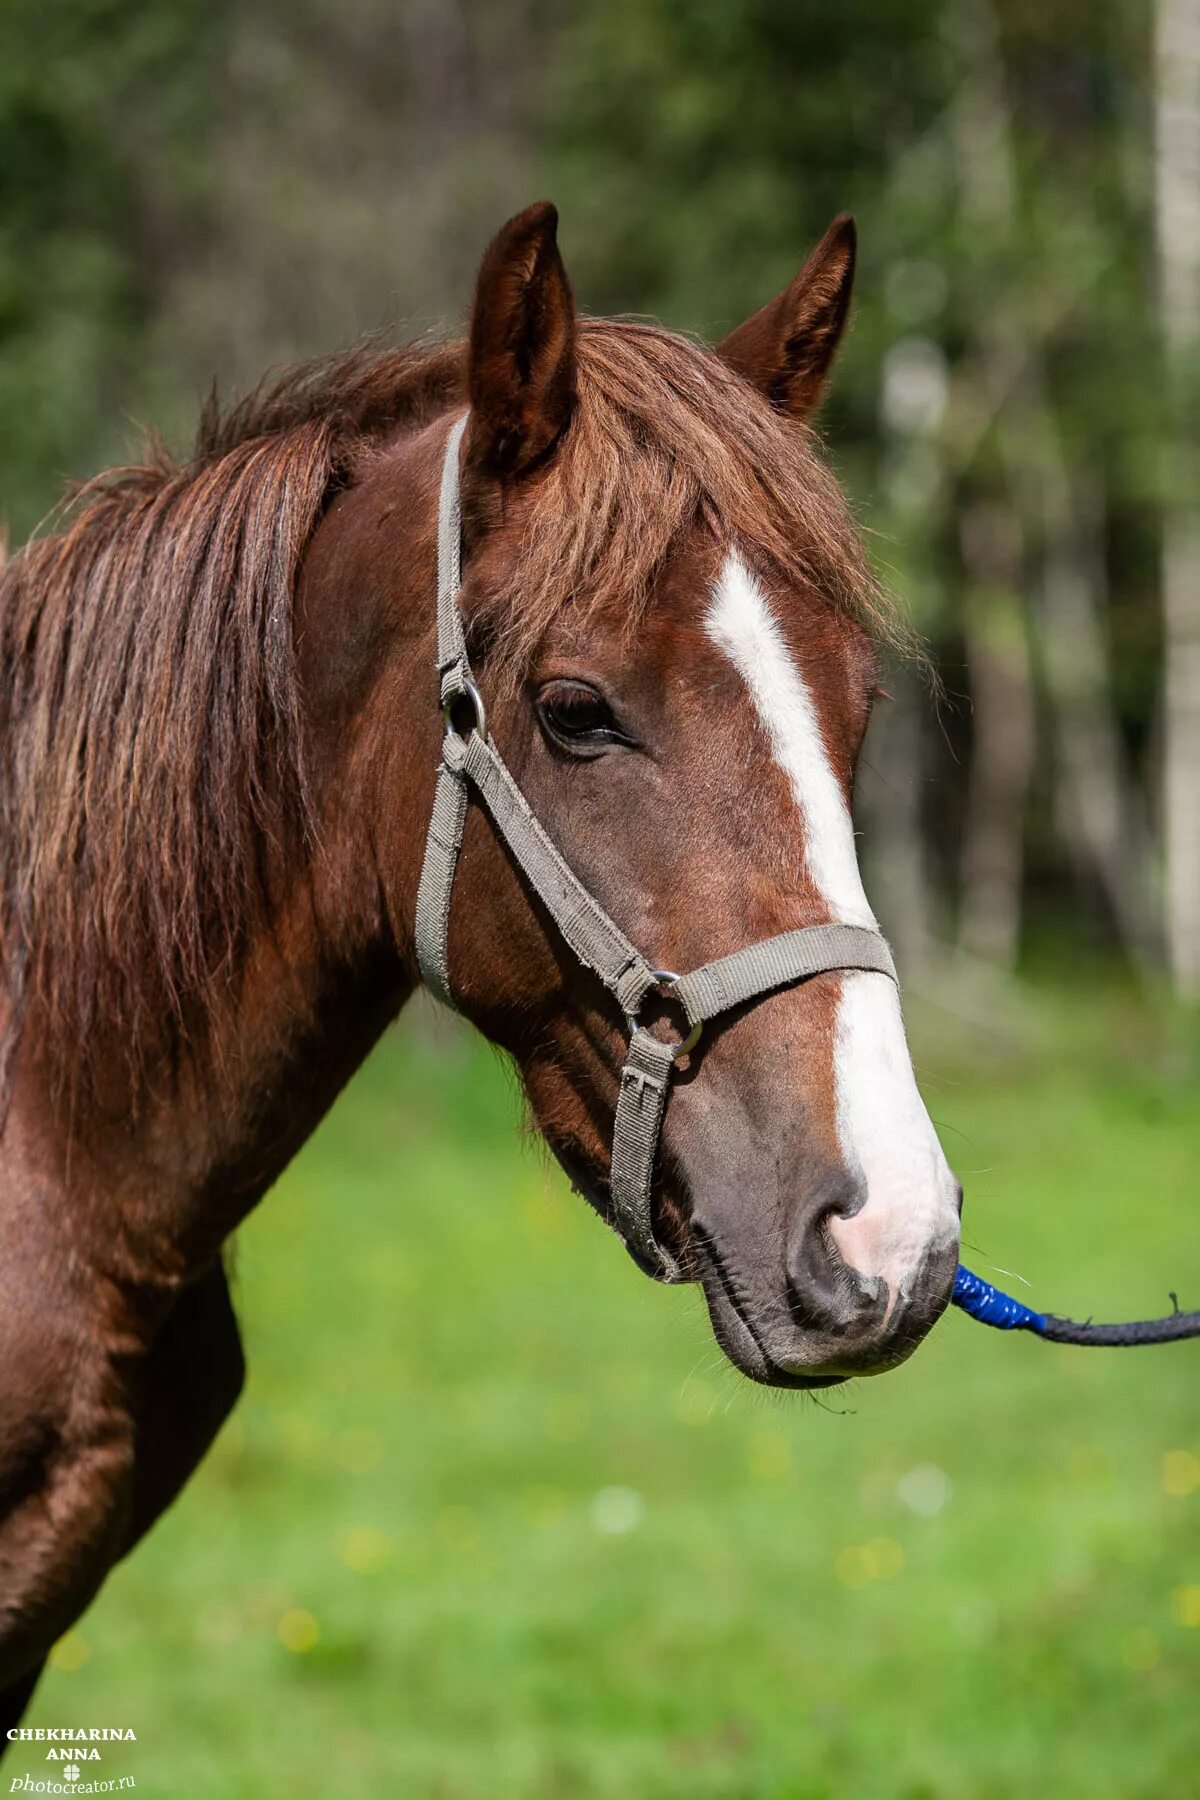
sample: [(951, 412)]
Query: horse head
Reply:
[(669, 615)]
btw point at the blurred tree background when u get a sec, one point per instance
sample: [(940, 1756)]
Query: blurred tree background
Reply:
[(195, 191), (493, 1519)]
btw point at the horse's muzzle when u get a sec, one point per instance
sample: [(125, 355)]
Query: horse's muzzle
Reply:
[(816, 1335)]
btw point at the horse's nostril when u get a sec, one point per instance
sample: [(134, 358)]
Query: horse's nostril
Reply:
[(825, 1293), (842, 1202)]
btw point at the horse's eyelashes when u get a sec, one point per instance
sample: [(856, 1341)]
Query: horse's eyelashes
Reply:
[(578, 717), (581, 712)]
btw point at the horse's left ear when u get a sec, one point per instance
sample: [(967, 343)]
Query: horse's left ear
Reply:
[(787, 348), (521, 366)]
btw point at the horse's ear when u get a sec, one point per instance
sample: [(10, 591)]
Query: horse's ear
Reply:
[(521, 370), (787, 348)]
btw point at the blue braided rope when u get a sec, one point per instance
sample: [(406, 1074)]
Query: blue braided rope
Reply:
[(991, 1307), (987, 1304)]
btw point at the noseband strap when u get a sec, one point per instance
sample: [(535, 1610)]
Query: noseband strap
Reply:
[(471, 761)]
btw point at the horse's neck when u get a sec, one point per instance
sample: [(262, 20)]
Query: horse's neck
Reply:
[(143, 1192), (144, 1188), (338, 963), (301, 1029)]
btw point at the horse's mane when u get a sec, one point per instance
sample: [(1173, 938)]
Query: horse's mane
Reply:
[(150, 717)]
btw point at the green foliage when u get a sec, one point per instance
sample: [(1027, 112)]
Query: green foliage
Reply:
[(97, 137), (998, 160), (189, 190), (528, 1536), (698, 151)]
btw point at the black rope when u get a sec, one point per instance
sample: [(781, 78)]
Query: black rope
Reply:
[(987, 1303), (1171, 1330)]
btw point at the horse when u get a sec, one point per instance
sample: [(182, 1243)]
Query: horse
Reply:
[(220, 735)]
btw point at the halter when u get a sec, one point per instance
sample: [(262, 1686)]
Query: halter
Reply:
[(470, 760)]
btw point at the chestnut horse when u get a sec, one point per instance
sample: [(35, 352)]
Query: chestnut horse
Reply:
[(219, 729)]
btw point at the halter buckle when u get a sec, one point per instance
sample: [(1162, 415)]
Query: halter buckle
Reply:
[(666, 978)]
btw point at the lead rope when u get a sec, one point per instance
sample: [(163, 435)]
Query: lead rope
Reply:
[(990, 1306)]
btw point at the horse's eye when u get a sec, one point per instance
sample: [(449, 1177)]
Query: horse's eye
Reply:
[(577, 717)]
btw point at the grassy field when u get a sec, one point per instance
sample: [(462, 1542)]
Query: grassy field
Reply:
[(493, 1519)]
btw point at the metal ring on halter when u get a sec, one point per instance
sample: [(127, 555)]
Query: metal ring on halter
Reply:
[(468, 692), (667, 978)]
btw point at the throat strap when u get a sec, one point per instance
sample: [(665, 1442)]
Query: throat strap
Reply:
[(472, 763)]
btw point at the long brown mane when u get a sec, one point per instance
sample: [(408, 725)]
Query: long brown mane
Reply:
[(151, 729)]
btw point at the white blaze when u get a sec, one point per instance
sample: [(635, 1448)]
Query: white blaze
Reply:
[(883, 1127)]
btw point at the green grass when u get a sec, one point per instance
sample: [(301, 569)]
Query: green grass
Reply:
[(453, 1367)]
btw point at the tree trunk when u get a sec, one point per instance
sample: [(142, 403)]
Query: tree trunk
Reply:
[(1178, 218), (1101, 808), (1103, 814), (1002, 735), (888, 804)]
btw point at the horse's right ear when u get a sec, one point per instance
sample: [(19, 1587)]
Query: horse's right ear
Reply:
[(521, 362)]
